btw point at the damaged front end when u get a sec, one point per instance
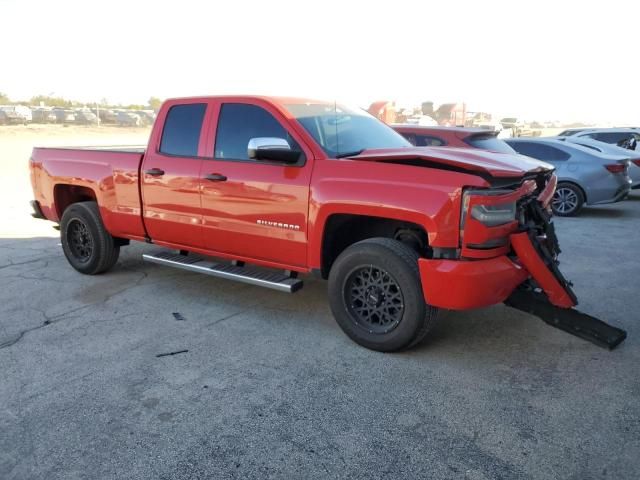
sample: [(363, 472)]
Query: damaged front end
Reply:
[(509, 254), (547, 294)]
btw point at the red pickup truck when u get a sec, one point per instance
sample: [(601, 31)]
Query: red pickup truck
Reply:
[(296, 186)]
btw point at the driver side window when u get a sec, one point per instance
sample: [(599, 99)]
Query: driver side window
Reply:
[(238, 123)]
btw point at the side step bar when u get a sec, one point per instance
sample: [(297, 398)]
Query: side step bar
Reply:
[(252, 276), (570, 320)]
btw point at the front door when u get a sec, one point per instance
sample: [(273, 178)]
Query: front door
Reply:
[(254, 209), (170, 179)]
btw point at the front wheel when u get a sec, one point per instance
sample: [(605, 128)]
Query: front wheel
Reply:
[(376, 295), (89, 248), (568, 200)]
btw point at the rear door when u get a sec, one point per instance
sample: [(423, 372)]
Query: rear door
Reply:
[(254, 209), (170, 177)]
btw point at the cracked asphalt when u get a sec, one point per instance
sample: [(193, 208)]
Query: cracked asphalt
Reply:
[(269, 386)]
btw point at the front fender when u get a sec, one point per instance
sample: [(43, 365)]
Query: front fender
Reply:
[(424, 196)]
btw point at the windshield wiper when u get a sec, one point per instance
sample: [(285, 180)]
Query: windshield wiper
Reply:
[(350, 154)]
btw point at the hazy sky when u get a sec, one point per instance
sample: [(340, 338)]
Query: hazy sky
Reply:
[(537, 59)]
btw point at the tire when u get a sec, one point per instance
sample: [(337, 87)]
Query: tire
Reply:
[(376, 295), (568, 200), (89, 248)]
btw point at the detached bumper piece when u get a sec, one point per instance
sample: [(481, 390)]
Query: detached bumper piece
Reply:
[(537, 249), (568, 319)]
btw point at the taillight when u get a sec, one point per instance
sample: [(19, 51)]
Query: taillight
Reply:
[(616, 167), (637, 162)]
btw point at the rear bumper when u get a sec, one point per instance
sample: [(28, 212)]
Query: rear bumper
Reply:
[(466, 284)]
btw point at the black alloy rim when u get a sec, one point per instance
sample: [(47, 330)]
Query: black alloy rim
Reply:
[(79, 240), (374, 299)]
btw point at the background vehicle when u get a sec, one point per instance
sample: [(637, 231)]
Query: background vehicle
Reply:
[(64, 115), (13, 112), (611, 149), (303, 186), (128, 119), (462, 137), (85, 117), (623, 137), (105, 115), (43, 115), (147, 117), (584, 175), (8, 116)]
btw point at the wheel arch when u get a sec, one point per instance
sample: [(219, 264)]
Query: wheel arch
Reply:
[(65, 195), (341, 230)]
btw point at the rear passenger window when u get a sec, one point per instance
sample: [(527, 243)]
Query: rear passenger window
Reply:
[(241, 122), (429, 141), (181, 133), (540, 151)]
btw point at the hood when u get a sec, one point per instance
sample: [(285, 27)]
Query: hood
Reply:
[(469, 160)]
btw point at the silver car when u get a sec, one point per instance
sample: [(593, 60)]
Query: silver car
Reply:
[(584, 175), (610, 149)]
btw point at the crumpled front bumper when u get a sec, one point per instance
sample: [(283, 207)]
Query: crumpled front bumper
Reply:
[(465, 284)]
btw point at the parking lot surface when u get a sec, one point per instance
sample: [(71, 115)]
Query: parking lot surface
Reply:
[(268, 386)]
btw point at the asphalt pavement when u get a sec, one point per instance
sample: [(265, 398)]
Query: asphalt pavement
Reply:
[(149, 372)]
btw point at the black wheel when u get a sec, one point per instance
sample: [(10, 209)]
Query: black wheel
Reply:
[(376, 295), (89, 248), (568, 200)]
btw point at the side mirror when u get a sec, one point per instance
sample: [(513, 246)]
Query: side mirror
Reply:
[(272, 149)]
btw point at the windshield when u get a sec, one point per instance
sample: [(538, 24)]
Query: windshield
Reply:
[(342, 131)]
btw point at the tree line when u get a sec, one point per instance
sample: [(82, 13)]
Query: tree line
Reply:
[(50, 101)]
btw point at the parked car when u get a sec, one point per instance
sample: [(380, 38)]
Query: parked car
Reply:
[(19, 111), (85, 117), (8, 116), (64, 115), (572, 131), (128, 119), (610, 149), (106, 115), (43, 115), (623, 137), (585, 177), (302, 186), (462, 137), (147, 117)]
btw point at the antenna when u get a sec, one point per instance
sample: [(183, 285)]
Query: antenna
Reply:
[(335, 122)]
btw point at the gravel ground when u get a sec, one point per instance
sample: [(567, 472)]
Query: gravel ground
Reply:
[(271, 388)]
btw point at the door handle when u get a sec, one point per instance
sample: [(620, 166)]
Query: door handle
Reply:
[(216, 177), (156, 172)]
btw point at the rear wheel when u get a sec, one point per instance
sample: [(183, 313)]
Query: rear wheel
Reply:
[(568, 200), (376, 295), (89, 248)]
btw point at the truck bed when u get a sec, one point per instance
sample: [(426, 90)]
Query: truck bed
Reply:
[(108, 175)]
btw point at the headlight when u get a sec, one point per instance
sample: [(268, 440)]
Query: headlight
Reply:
[(494, 215), (489, 215)]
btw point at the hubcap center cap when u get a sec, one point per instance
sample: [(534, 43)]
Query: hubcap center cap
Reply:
[(374, 296)]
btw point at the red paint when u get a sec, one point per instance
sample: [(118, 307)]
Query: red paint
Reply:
[(461, 285), (250, 216), (539, 271)]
